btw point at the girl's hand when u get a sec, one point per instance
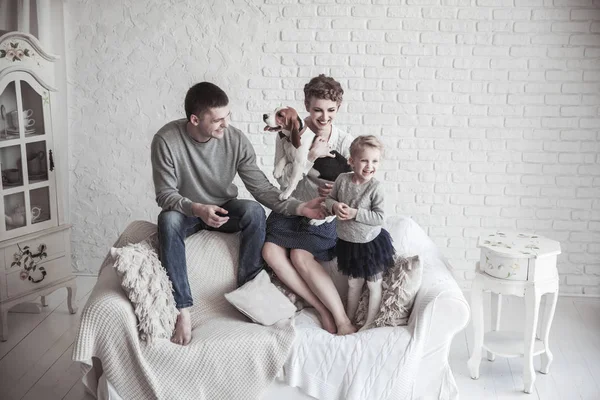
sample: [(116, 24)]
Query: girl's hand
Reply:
[(351, 212), (338, 210), (344, 212)]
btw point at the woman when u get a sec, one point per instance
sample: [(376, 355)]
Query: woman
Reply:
[(293, 248)]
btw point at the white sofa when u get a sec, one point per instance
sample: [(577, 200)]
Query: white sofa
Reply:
[(388, 363)]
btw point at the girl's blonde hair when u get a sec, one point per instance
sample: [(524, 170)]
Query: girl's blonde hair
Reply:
[(365, 141)]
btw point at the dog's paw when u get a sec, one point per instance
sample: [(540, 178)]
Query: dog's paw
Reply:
[(277, 173), (284, 195), (316, 222)]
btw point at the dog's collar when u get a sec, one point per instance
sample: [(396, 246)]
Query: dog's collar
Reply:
[(301, 128), (282, 135)]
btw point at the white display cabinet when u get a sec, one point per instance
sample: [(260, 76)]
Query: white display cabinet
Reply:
[(35, 251)]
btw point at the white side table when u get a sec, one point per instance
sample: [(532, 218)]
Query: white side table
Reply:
[(518, 264)]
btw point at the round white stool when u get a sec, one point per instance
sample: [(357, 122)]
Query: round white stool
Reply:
[(518, 264)]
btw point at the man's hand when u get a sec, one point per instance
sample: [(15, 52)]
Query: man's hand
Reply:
[(208, 214), (325, 188), (320, 148), (312, 209), (344, 212)]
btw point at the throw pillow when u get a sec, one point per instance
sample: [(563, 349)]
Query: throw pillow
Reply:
[(399, 287), (261, 301), (148, 288), (287, 292)]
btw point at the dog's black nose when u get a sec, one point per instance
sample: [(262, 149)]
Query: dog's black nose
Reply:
[(265, 116)]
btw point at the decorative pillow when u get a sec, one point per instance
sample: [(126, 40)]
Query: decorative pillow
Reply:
[(261, 301), (149, 289), (287, 292), (399, 287)]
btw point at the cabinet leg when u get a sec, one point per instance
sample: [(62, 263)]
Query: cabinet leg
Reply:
[(44, 302), (550, 307), (477, 321), (4, 323), (72, 297), (496, 311), (532, 306)]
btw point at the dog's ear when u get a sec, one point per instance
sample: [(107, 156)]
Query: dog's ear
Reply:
[(294, 124), (296, 130)]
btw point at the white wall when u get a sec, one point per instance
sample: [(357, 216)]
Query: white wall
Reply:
[(489, 108)]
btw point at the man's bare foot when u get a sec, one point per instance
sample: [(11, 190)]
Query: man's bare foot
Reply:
[(346, 328), (183, 328), (327, 321)]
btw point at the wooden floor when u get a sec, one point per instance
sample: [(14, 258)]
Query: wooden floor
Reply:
[(35, 362)]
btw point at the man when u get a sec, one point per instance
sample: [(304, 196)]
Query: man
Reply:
[(194, 162)]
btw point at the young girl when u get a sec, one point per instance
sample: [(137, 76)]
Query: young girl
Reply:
[(364, 249)]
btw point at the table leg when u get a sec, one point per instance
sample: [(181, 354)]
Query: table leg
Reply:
[(3, 324), (550, 307), (532, 306), (72, 297), (477, 321), (496, 311)]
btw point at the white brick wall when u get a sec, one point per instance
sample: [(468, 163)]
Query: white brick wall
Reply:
[(489, 109)]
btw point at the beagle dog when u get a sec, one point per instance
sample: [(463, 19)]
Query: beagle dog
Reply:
[(296, 146), (298, 141)]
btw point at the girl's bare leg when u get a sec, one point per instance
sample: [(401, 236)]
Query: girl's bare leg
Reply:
[(276, 257), (374, 302), (355, 286), (321, 285)]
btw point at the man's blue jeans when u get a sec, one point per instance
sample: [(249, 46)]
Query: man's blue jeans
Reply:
[(246, 216)]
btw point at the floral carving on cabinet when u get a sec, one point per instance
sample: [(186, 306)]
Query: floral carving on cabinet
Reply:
[(28, 262), (12, 51)]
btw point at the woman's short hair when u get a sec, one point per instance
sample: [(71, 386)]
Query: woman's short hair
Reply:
[(365, 141), (202, 96), (323, 87)]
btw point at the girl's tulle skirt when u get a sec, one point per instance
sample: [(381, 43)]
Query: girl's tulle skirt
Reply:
[(365, 260)]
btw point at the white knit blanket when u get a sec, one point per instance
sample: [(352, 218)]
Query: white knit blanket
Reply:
[(228, 358), (377, 364)]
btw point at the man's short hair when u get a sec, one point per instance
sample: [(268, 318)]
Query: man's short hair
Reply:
[(203, 96)]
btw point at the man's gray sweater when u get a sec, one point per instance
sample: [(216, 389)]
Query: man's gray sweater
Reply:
[(186, 171)]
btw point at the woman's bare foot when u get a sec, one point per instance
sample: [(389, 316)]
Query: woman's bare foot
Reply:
[(183, 328), (327, 321), (346, 328)]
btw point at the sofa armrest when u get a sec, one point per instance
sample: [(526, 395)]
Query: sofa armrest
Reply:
[(440, 310)]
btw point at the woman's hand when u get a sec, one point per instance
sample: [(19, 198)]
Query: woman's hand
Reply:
[(208, 214), (325, 188), (312, 209), (320, 148)]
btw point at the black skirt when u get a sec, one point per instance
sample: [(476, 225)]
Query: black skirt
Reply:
[(366, 260)]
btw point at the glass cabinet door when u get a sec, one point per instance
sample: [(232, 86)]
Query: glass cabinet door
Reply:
[(27, 194)]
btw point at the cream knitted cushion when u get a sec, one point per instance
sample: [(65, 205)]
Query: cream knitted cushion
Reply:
[(400, 286), (149, 289), (261, 301)]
